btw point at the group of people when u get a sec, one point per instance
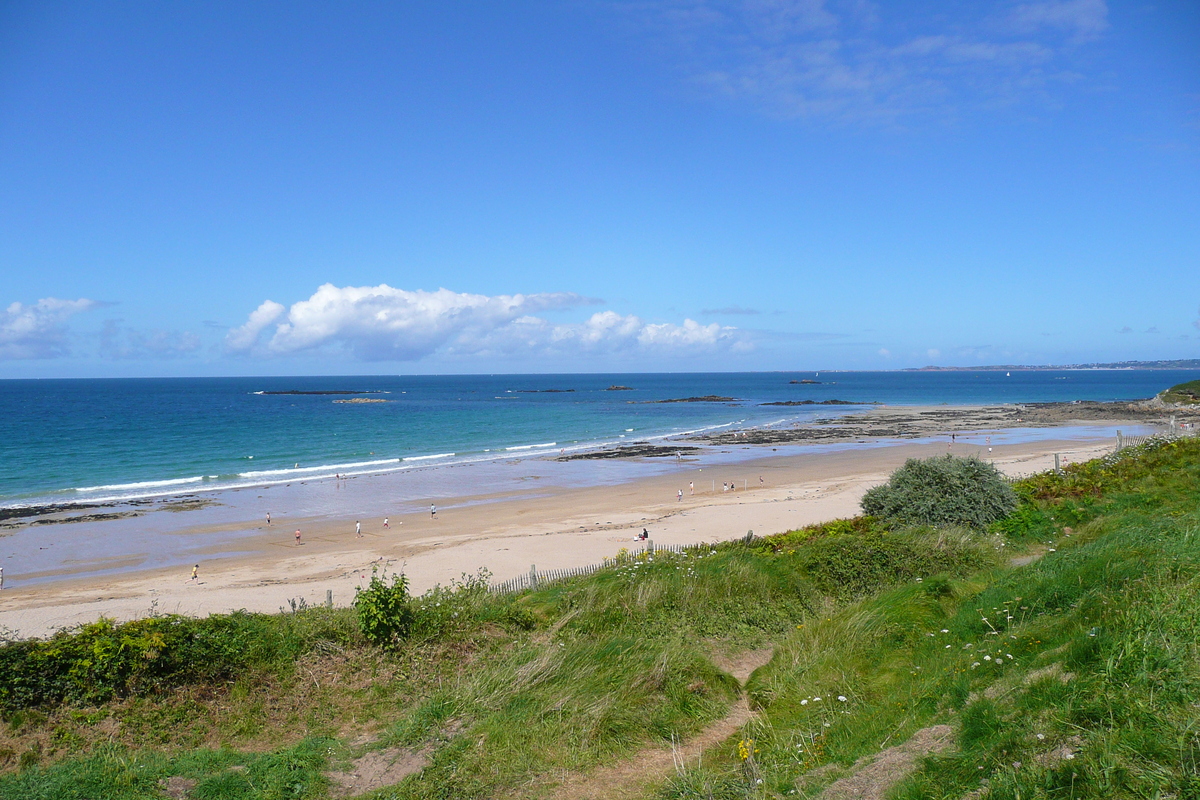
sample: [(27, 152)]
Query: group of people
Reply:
[(358, 534)]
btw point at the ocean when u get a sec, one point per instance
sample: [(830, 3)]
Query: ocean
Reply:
[(99, 440)]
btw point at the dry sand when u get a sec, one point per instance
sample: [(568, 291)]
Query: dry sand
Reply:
[(562, 528)]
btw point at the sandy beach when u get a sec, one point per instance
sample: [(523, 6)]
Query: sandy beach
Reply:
[(552, 527)]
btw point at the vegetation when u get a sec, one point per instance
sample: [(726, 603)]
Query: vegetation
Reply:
[(1183, 394), (1071, 676), (943, 491), (385, 615)]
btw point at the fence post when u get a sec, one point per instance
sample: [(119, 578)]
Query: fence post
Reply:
[(1120, 441), (533, 575), (329, 598), (1057, 468)]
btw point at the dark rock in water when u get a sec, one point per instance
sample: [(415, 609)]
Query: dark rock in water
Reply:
[(806, 381), (708, 398), (820, 403), (543, 391), (330, 391), (617, 388), (19, 512), (633, 451)]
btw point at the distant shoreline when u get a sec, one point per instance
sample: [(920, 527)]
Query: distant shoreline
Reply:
[(1187, 363)]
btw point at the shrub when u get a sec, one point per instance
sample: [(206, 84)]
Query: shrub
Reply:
[(385, 615), (943, 491)]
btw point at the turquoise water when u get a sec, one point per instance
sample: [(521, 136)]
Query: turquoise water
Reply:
[(91, 440)]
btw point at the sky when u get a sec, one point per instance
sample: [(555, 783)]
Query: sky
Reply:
[(259, 188)]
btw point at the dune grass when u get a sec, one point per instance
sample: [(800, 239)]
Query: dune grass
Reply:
[(1089, 652), (1075, 676)]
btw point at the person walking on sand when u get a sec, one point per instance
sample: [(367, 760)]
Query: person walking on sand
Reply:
[(297, 537), (432, 511), (357, 529), (1, 577), (679, 499), (385, 525), (268, 517), (196, 572), (691, 487)]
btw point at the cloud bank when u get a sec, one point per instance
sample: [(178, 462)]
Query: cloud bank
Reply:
[(38, 330), (382, 323)]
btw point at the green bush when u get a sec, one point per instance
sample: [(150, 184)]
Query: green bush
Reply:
[(943, 491), (385, 614), (101, 660)]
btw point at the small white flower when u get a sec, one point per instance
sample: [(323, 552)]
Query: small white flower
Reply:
[(803, 702), (1040, 737), (945, 630), (841, 698), (987, 658), (816, 699), (826, 724), (1053, 550), (947, 647)]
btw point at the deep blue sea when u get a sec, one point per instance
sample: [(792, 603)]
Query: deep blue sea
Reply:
[(101, 439)]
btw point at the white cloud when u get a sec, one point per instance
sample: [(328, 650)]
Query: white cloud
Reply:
[(933, 353), (38, 330), (245, 336), (377, 323)]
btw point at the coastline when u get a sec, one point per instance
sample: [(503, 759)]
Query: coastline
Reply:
[(537, 512)]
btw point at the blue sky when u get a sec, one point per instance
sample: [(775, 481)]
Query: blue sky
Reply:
[(299, 188)]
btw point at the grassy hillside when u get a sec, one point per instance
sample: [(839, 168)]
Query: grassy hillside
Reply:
[(1183, 394), (1072, 675)]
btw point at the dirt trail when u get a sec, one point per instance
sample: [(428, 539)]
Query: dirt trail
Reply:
[(627, 780), (874, 776)]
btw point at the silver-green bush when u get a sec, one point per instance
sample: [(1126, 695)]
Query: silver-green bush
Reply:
[(942, 491)]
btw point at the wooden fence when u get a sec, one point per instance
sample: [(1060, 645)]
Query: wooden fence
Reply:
[(1174, 431)]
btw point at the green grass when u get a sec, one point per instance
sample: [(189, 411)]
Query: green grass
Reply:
[(1184, 393), (1092, 648)]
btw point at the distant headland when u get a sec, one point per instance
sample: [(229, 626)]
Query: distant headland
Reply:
[(1183, 363)]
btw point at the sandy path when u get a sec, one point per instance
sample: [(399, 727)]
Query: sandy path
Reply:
[(558, 529)]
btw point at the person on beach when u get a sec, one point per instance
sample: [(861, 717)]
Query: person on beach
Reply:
[(196, 572), (432, 511), (691, 487), (297, 537), (679, 499), (357, 529), (268, 517), (385, 523), (1, 577)]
